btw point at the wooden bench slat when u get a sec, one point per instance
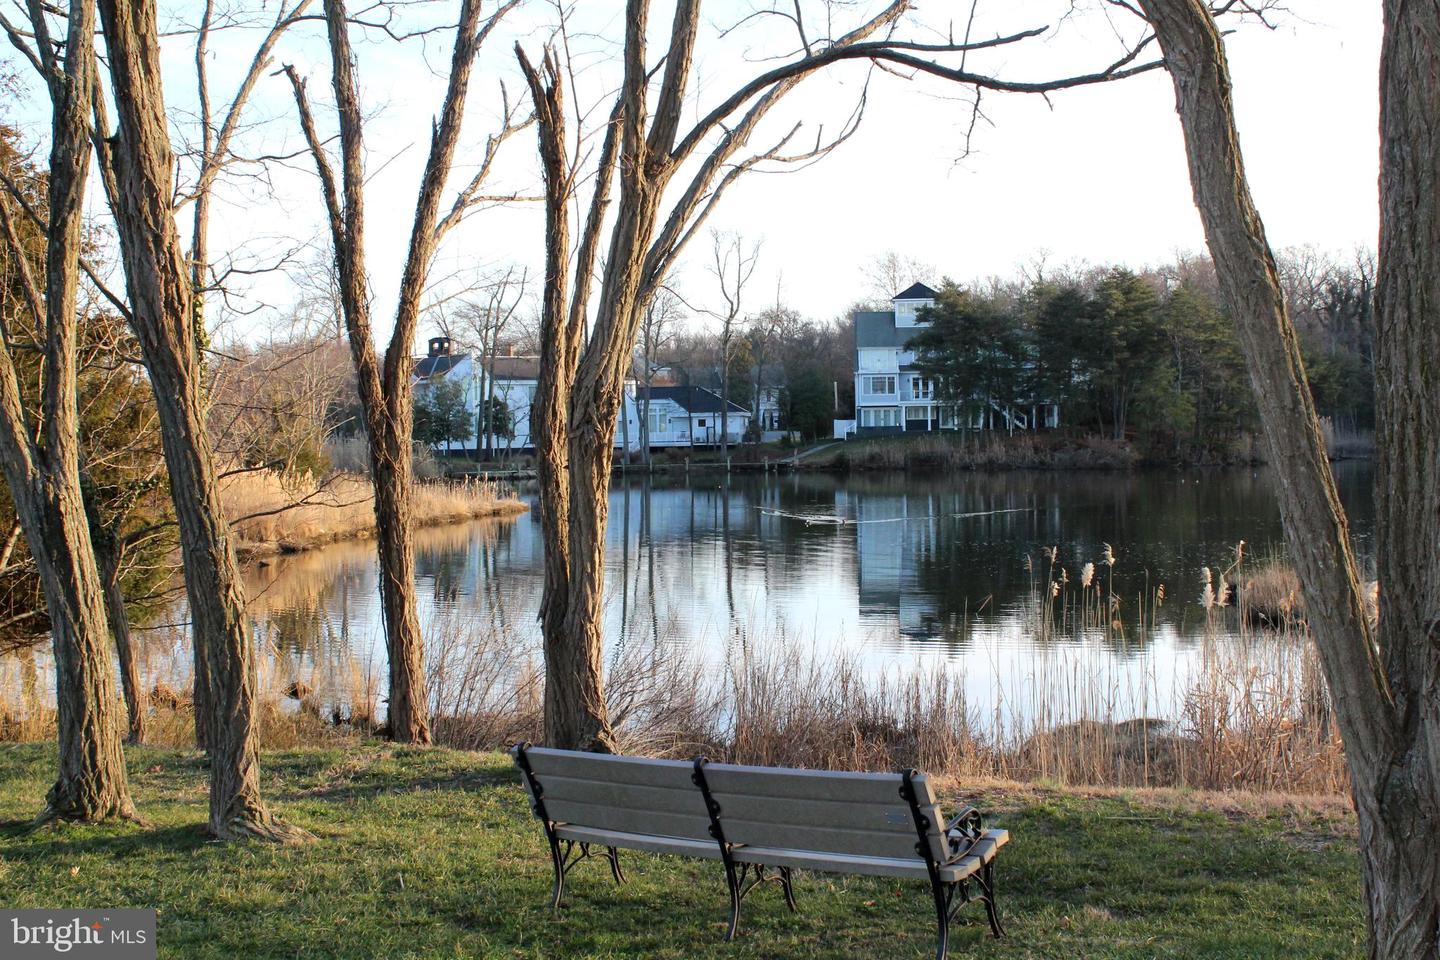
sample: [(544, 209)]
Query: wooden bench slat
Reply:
[(640, 771), (883, 788), (624, 820), (822, 839), (637, 841), (842, 814), (687, 800)]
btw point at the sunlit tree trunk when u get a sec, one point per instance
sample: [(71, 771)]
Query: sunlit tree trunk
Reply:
[(162, 303), (1382, 681), (44, 478), (385, 384)]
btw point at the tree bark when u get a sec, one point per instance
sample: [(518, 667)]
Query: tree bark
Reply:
[(580, 393), (44, 479), (162, 301), (386, 396), (1404, 872), (1382, 682), (575, 714), (107, 557)]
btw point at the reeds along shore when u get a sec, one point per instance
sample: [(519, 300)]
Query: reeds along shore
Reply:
[(1250, 713), (270, 513)]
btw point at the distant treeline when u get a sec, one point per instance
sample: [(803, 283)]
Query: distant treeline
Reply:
[(1151, 357)]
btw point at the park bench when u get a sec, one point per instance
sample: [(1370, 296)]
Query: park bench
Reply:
[(761, 823)]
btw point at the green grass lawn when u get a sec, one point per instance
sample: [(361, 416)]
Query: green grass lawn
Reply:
[(433, 853)]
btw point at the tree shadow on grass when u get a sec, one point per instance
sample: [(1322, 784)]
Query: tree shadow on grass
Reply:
[(106, 840)]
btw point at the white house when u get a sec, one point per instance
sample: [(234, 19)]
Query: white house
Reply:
[(893, 396), (768, 413), (511, 381), (690, 417)]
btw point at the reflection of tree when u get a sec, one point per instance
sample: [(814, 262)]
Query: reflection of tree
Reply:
[(1163, 525), (701, 552)]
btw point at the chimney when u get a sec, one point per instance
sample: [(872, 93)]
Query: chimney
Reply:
[(439, 346)]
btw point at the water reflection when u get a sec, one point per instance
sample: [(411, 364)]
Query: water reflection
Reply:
[(930, 570), (919, 566)]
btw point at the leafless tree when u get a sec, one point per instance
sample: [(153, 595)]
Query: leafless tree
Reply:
[(658, 328), (732, 266), (386, 395), (215, 151), (138, 166), (643, 152), (765, 333), (891, 272), (1382, 677), (42, 461), (484, 320)]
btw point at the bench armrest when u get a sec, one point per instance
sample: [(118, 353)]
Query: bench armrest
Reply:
[(962, 832)]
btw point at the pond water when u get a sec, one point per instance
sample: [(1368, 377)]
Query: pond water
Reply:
[(938, 572)]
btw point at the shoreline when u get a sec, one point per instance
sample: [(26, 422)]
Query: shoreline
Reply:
[(255, 551)]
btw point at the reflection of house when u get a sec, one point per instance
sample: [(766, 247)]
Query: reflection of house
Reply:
[(892, 396), (690, 417)]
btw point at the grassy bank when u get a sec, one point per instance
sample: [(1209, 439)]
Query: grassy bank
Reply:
[(271, 514), (434, 854), (976, 451)]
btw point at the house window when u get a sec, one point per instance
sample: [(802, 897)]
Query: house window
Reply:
[(947, 418), (922, 388), (699, 423), (882, 385), (659, 420), (879, 417)]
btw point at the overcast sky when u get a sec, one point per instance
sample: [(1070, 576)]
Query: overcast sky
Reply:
[(1096, 174)]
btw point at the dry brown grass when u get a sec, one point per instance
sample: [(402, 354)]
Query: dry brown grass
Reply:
[(1268, 595), (272, 513), (1254, 721)]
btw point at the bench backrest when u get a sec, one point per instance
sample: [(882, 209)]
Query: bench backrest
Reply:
[(826, 811), (835, 812), (625, 794)]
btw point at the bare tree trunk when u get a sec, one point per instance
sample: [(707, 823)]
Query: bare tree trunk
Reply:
[(162, 300), (44, 479), (385, 389), (107, 556), (1404, 870), (409, 711), (575, 714), (1382, 686), (574, 445)]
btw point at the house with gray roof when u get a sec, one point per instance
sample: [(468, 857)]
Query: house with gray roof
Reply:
[(891, 393), (891, 396), (689, 416), (509, 381)]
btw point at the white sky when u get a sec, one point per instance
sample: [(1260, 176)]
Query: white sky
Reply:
[(1097, 174)]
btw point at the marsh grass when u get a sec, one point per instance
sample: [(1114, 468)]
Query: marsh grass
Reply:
[(271, 512)]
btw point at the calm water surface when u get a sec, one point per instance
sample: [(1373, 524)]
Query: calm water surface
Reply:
[(936, 571)]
